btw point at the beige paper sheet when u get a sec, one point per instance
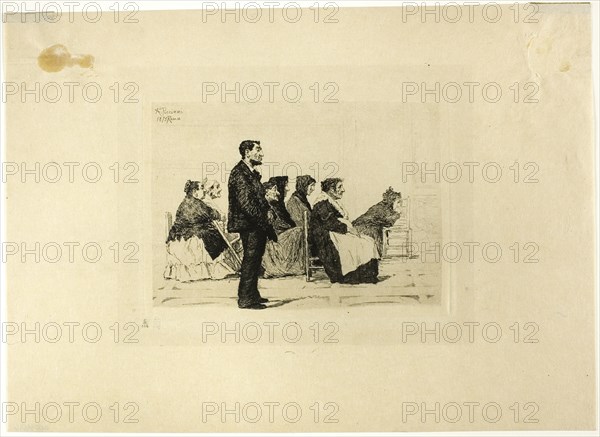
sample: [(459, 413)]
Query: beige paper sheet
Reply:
[(488, 326)]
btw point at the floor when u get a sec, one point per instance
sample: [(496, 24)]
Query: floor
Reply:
[(402, 281)]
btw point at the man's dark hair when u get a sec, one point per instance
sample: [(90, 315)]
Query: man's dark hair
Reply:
[(329, 184), (247, 145)]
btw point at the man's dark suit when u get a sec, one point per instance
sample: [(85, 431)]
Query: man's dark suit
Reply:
[(248, 215)]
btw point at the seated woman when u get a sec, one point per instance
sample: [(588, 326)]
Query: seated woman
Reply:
[(286, 256), (298, 202), (195, 247), (381, 215), (284, 221), (347, 256)]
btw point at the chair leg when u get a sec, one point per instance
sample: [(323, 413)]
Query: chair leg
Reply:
[(307, 262), (306, 248)]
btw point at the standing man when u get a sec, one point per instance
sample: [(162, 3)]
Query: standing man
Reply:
[(250, 216)]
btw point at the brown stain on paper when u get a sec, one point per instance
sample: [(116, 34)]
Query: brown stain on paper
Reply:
[(55, 58), (565, 66)]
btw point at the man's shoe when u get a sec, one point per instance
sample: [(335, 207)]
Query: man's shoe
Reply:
[(263, 300), (253, 306)]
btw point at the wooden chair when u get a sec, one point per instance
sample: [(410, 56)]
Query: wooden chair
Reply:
[(397, 239), (309, 261), (221, 226)]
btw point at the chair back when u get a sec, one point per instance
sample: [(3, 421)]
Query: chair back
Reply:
[(168, 223), (398, 237), (403, 223)]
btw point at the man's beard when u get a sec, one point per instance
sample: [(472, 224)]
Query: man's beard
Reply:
[(255, 162)]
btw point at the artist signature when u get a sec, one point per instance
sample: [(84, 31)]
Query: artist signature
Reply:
[(165, 115)]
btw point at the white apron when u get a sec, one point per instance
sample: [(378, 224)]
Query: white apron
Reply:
[(353, 251)]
